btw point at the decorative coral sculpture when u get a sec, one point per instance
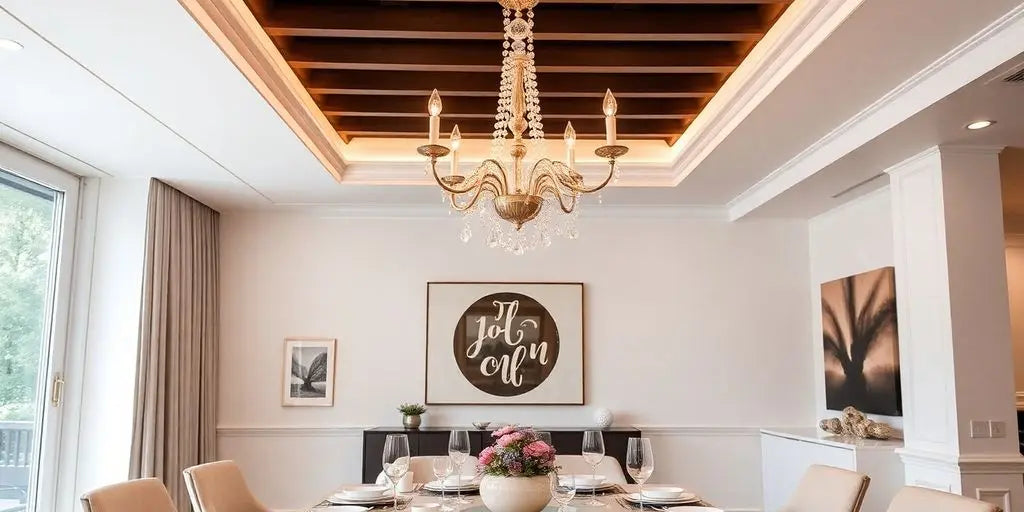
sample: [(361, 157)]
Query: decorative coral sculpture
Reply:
[(854, 423)]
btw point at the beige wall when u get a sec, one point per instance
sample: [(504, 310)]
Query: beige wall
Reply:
[(1015, 282)]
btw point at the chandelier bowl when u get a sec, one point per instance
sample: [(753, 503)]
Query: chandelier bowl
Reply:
[(518, 208)]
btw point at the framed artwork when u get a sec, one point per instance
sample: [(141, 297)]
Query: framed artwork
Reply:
[(308, 372), (504, 343), (862, 356)]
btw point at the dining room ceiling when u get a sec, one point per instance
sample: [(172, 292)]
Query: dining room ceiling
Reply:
[(371, 64)]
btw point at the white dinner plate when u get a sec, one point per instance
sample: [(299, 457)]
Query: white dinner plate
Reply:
[(602, 487), (348, 508), (466, 485), (357, 492), (686, 497), (339, 498), (589, 481)]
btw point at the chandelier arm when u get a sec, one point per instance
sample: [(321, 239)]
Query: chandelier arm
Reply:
[(561, 198), (554, 187), (498, 173), (472, 201), (586, 190), (472, 181)]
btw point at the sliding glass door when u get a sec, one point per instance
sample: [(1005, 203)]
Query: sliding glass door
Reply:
[(37, 216)]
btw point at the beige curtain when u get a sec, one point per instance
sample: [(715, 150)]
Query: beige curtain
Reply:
[(175, 392)]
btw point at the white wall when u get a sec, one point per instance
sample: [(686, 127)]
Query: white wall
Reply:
[(107, 391), (849, 239), (696, 329), (1015, 287)]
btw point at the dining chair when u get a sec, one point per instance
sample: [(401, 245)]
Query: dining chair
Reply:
[(609, 467), (220, 487), (147, 494), (422, 469), (828, 489), (919, 499)]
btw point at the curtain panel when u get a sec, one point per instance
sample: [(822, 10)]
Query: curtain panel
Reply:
[(175, 393)]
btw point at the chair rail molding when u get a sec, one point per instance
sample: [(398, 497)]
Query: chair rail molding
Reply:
[(979, 54)]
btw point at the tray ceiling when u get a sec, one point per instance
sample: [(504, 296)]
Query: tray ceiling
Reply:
[(370, 64)]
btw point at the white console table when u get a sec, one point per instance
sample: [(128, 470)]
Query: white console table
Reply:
[(786, 454)]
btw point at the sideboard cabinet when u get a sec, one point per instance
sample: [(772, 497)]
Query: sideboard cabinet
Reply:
[(786, 454), (432, 441)]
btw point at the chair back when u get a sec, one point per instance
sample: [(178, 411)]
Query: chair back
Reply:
[(220, 487), (422, 469), (919, 499), (609, 467), (147, 494), (828, 489)]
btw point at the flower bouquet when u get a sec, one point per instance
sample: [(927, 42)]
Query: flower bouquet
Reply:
[(515, 470)]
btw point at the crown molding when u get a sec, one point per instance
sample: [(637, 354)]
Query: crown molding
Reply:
[(804, 25), (436, 211), (234, 29), (415, 173), (979, 54)]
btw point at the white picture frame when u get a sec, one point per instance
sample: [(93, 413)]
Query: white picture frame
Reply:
[(308, 372), (466, 344)]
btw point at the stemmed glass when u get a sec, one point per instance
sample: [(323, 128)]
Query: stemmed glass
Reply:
[(442, 467), (458, 450), (593, 454), (396, 460), (563, 489), (640, 462), (546, 437)]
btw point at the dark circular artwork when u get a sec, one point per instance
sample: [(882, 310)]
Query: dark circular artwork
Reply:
[(506, 344)]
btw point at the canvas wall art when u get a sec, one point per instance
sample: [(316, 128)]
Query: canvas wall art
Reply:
[(504, 343), (308, 372), (862, 363)]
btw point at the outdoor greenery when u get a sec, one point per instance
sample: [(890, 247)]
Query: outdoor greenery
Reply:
[(25, 235)]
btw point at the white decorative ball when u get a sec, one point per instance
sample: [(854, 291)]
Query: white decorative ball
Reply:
[(603, 417)]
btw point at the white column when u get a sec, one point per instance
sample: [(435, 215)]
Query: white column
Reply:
[(954, 326)]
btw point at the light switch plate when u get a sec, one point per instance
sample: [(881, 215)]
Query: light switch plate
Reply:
[(997, 429), (979, 429)]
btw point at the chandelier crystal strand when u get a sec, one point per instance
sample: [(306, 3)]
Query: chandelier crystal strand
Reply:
[(520, 203)]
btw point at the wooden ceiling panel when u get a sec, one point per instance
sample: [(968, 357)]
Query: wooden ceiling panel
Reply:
[(370, 64)]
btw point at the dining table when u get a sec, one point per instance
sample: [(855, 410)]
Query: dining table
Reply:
[(613, 500)]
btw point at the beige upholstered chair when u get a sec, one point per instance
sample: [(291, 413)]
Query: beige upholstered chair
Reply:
[(828, 489), (423, 471), (147, 494), (575, 464), (919, 499), (220, 487)]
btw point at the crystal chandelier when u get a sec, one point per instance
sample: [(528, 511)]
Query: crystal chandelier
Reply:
[(517, 191)]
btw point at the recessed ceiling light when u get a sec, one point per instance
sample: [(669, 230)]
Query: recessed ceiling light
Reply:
[(10, 45), (977, 125)]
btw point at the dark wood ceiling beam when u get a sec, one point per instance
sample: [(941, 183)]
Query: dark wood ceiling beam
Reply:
[(484, 56), (419, 83), (625, 127), (737, 22), (465, 107)]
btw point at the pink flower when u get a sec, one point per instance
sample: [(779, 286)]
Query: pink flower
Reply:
[(508, 439), (507, 429), (538, 449), (486, 456)]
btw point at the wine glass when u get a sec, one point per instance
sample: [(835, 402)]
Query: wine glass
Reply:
[(563, 488), (546, 437), (640, 462), (442, 467), (593, 454), (458, 450), (396, 460)]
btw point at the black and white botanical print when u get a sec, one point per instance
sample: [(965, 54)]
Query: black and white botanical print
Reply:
[(309, 372)]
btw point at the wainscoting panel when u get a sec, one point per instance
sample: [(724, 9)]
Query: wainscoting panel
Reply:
[(290, 467)]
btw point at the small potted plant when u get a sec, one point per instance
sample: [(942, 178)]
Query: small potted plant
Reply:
[(411, 414)]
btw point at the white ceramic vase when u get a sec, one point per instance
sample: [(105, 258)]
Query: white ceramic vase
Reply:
[(515, 494)]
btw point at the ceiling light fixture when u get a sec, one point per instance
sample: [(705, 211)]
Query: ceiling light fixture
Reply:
[(10, 45), (978, 125), (517, 191)]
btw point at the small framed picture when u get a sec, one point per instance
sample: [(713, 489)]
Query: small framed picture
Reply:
[(308, 372)]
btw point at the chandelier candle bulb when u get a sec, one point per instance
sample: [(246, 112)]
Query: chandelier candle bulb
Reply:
[(570, 145), (434, 109), (610, 107), (456, 141)]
